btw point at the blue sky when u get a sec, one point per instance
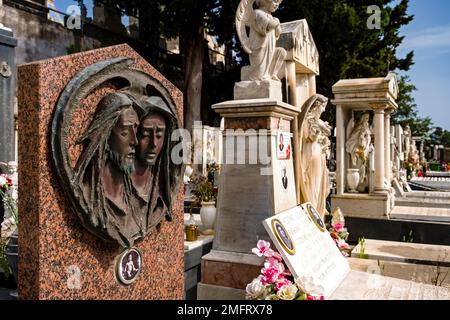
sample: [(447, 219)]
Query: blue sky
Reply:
[(429, 36)]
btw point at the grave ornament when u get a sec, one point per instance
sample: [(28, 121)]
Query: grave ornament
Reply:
[(122, 181)]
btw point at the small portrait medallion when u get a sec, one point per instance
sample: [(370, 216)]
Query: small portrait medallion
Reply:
[(315, 216), (283, 237), (284, 146), (129, 266)]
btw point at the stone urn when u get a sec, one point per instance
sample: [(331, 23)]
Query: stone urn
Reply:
[(208, 217), (353, 180)]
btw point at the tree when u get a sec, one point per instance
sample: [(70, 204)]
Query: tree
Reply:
[(189, 21), (407, 114), (440, 137), (347, 48)]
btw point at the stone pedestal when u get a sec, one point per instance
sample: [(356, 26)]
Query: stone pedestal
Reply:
[(7, 94), (265, 89), (251, 190), (376, 206), (59, 258)]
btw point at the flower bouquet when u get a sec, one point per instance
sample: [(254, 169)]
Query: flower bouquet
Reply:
[(9, 224), (276, 282), (203, 189), (339, 232)]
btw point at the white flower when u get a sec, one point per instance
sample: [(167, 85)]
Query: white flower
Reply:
[(287, 292), (307, 285), (3, 181), (272, 297), (8, 227), (256, 290)]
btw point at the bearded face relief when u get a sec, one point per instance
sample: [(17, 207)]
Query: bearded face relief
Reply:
[(123, 140), (116, 171)]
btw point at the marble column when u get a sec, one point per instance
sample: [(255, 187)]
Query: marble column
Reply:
[(292, 83), (387, 145), (379, 150), (340, 150)]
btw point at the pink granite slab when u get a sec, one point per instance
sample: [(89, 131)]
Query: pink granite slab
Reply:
[(52, 241)]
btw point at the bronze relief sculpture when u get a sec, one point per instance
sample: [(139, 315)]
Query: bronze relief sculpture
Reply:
[(123, 181)]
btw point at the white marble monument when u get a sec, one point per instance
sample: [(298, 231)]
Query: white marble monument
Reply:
[(364, 166), (314, 183)]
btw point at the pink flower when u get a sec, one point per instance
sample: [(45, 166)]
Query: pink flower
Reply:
[(345, 254), (263, 250), (281, 283), (276, 256), (315, 298), (338, 227), (270, 275)]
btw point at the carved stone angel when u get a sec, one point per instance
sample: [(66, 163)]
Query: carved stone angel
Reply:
[(314, 182), (265, 58)]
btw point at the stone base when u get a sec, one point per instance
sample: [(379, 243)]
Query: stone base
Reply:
[(356, 286), (367, 286), (210, 292), (269, 89), (230, 269), (376, 206)]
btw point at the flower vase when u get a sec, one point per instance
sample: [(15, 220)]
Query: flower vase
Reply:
[(352, 180), (208, 217)]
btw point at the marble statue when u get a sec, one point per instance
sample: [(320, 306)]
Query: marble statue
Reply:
[(265, 58), (316, 149), (407, 136), (413, 156), (359, 147)]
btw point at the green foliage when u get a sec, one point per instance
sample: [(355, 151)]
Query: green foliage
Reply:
[(381, 266), (4, 264), (204, 190), (362, 251), (409, 238), (347, 48), (407, 113), (440, 137)]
